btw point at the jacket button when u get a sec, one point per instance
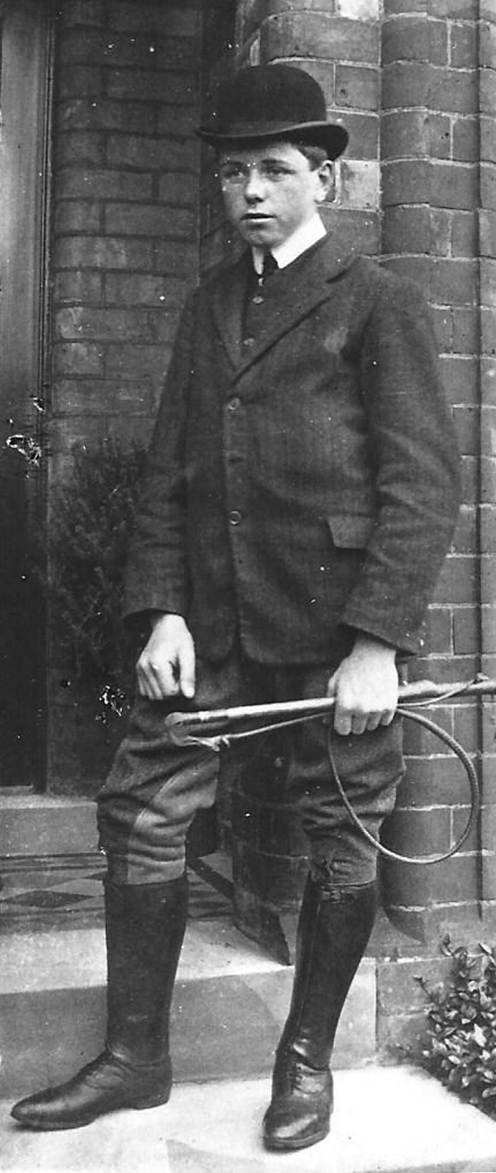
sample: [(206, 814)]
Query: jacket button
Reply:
[(234, 403), (248, 342), (235, 517)]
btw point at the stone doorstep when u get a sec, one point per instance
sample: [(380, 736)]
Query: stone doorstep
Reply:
[(44, 824), (385, 1120), (230, 1002)]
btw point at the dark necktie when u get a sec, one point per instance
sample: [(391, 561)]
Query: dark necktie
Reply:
[(252, 322), (269, 266)]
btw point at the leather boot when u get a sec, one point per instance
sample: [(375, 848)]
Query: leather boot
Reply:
[(333, 931), (144, 929)]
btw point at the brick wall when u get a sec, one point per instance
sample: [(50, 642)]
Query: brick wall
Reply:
[(437, 146), (487, 375), (433, 77), (125, 198), (219, 51), (125, 248)]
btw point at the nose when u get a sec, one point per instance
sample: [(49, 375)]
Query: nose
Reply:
[(254, 185)]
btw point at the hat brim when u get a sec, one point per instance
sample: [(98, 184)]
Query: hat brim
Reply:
[(332, 137)]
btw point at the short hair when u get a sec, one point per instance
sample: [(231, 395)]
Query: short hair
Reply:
[(316, 155)]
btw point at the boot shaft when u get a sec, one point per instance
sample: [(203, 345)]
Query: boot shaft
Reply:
[(145, 927), (333, 931)]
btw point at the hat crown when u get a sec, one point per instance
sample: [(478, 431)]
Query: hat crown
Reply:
[(270, 102), (278, 93)]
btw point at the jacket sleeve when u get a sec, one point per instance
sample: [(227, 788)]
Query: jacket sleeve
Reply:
[(156, 572), (415, 457)]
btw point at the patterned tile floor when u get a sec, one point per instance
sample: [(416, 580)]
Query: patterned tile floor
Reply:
[(51, 893)]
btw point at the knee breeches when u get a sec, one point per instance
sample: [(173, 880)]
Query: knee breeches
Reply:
[(155, 788)]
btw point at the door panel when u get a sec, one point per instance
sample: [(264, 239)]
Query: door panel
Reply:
[(24, 77)]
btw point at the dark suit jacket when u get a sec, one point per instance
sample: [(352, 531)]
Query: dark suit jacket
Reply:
[(306, 481)]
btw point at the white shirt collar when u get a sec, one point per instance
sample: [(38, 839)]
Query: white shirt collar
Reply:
[(296, 244)]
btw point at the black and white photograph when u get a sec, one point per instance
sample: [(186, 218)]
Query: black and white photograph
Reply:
[(248, 586)]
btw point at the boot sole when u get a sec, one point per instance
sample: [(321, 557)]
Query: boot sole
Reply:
[(62, 1126), (294, 1146)]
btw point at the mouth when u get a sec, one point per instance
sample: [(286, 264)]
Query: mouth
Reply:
[(255, 217)]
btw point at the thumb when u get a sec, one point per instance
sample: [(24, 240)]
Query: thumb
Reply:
[(187, 669), (331, 691)]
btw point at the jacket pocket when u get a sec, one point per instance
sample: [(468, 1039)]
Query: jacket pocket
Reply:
[(350, 531)]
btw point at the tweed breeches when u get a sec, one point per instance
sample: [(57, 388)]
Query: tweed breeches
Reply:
[(155, 788)]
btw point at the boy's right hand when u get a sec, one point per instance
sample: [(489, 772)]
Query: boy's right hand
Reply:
[(166, 666)]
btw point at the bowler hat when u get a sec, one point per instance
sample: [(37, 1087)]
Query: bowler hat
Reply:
[(267, 102)]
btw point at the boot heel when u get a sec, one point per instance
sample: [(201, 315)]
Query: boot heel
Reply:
[(151, 1101)]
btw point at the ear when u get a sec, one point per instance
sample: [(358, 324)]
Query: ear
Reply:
[(325, 175)]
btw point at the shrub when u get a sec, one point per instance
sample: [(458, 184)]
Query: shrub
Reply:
[(461, 1019), (91, 515)]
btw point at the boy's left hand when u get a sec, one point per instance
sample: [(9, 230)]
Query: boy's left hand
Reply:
[(365, 687)]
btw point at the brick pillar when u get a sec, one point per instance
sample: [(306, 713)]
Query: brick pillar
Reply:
[(430, 180), (487, 252), (338, 42)]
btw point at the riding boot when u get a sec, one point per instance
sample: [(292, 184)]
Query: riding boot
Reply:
[(144, 929), (333, 931)]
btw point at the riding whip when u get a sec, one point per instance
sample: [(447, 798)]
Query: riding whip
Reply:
[(216, 729)]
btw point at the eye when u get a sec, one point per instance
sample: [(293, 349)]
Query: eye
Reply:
[(231, 172), (275, 170)]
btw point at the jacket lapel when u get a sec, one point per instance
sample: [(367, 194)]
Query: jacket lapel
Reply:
[(229, 297), (306, 286)]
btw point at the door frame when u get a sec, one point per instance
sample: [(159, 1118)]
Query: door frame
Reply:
[(26, 83)]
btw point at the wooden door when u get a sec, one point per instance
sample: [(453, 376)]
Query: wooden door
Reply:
[(24, 103)]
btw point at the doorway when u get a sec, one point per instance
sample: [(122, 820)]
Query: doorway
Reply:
[(25, 48)]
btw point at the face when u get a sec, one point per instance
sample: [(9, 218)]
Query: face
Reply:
[(271, 191)]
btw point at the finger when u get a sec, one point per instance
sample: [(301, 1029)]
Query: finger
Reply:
[(144, 687), (151, 679), (155, 690), (373, 720), (359, 724), (163, 679), (342, 722), (388, 716)]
